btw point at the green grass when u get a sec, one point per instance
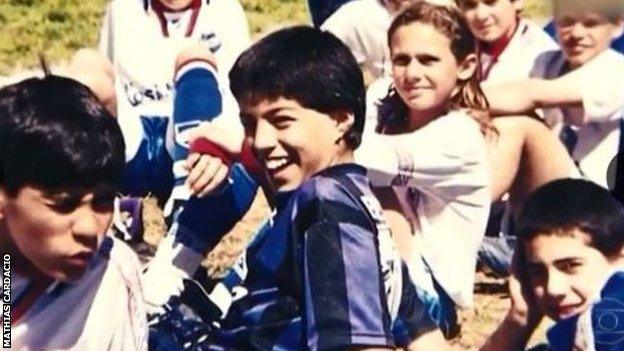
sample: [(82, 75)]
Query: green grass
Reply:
[(59, 27), (56, 27)]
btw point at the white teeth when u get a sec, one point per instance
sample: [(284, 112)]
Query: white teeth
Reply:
[(275, 163)]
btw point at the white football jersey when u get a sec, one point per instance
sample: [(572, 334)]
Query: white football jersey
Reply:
[(143, 50), (104, 310)]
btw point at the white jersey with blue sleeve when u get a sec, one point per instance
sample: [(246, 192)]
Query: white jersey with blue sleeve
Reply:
[(143, 56), (102, 310)]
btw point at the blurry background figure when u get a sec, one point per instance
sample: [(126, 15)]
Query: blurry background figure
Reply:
[(320, 10), (142, 39), (363, 26)]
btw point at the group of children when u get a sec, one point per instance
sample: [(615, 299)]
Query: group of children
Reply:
[(379, 209)]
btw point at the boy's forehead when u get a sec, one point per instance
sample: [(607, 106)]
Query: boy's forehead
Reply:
[(77, 191), (556, 241), (606, 9), (462, 3), (573, 232), (267, 106)]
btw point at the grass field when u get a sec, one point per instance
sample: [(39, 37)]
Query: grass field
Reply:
[(59, 27)]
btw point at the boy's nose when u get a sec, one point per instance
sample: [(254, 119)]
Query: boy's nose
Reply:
[(86, 226), (577, 30), (413, 70), (481, 11), (264, 137), (557, 286)]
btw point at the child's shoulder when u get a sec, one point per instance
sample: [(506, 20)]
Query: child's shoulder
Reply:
[(334, 187), (548, 64), (123, 262), (535, 34), (457, 122), (334, 182)]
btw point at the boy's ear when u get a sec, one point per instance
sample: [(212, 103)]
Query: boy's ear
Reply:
[(518, 6), (468, 67), (344, 122)]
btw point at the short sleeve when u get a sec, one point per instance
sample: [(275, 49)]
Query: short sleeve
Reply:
[(601, 83)]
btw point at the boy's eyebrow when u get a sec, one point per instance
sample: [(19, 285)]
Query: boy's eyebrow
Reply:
[(567, 260), (270, 112), (78, 193), (274, 111)]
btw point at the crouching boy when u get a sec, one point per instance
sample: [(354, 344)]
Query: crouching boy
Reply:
[(570, 265), (61, 158)]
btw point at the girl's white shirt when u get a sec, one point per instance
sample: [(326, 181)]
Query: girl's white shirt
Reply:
[(104, 310), (441, 176), (601, 83)]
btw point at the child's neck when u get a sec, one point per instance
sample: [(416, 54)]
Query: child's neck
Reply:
[(418, 119), (342, 157), (497, 47)]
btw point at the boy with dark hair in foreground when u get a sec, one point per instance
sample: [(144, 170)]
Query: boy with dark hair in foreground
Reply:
[(61, 160), (570, 265), (322, 274)]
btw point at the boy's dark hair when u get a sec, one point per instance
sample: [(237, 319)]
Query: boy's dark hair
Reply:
[(561, 206), (307, 65), (55, 134)]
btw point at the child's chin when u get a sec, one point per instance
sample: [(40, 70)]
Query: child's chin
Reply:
[(286, 186), (69, 276)]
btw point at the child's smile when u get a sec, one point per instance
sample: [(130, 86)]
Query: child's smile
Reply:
[(566, 273), (293, 142)]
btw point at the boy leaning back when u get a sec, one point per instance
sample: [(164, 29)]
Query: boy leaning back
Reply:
[(61, 159), (323, 273)]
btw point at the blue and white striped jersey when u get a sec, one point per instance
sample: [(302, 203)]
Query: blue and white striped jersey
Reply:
[(322, 274)]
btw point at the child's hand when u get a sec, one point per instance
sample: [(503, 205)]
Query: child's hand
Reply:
[(524, 308), (206, 173)]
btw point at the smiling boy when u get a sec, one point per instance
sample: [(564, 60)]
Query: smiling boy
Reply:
[(61, 159), (570, 260), (322, 273)]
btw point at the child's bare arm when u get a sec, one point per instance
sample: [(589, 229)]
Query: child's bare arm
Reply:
[(523, 316), (522, 97)]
